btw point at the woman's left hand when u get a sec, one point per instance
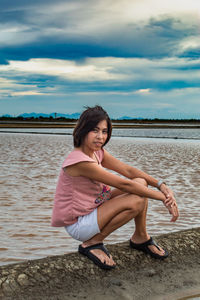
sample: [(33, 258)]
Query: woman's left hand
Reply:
[(170, 202), (173, 210)]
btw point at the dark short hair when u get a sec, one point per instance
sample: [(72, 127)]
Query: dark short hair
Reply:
[(88, 121)]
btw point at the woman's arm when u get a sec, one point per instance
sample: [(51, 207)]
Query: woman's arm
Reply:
[(112, 163), (97, 173), (118, 166)]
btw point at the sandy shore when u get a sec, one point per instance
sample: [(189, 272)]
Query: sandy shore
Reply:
[(137, 276), (115, 124)]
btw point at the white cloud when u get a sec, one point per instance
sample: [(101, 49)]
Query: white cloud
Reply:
[(64, 69), (6, 83), (151, 93), (91, 16), (119, 93), (16, 34), (143, 91), (184, 92), (9, 87), (93, 19), (190, 43), (140, 69), (109, 69), (26, 93)]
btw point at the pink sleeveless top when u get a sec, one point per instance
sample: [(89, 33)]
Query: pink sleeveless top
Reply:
[(77, 196)]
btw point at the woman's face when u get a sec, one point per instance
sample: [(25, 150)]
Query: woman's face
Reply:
[(96, 138)]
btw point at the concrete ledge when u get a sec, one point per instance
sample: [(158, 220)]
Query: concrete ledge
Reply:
[(137, 276)]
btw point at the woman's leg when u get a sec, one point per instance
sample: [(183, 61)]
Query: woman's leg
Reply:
[(112, 215), (116, 212), (140, 235)]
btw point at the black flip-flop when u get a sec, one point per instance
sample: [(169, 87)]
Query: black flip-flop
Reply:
[(86, 251), (144, 247)]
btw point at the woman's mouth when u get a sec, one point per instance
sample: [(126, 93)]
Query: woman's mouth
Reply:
[(98, 144)]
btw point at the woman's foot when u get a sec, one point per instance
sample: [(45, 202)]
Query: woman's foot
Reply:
[(100, 252), (146, 243)]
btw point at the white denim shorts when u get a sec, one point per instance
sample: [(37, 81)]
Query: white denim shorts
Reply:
[(85, 228)]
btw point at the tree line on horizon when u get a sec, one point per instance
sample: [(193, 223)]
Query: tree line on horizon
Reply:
[(64, 119)]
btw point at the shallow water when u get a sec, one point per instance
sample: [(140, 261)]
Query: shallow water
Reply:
[(193, 297), (174, 133), (30, 165)]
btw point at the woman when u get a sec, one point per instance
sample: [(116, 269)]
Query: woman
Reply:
[(86, 206)]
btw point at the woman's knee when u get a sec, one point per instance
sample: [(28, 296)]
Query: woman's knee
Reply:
[(138, 204), (141, 181)]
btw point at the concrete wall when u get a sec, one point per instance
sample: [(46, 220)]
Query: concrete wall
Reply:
[(70, 276)]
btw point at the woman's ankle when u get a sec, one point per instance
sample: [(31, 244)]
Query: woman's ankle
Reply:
[(91, 242), (140, 237)]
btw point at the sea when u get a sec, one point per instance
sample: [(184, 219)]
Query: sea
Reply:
[(30, 164)]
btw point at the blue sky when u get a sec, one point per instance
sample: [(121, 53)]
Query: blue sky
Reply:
[(137, 58)]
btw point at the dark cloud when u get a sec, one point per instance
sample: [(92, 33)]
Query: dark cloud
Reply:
[(157, 39), (21, 4), (192, 53), (167, 27), (61, 35), (13, 16), (54, 50), (3, 60)]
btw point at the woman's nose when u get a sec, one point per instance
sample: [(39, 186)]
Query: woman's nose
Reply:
[(99, 134)]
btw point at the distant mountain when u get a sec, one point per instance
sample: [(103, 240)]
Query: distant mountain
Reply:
[(54, 115), (7, 116), (124, 118), (59, 115), (129, 118)]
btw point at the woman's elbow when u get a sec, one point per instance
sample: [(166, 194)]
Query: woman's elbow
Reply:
[(126, 186), (131, 186)]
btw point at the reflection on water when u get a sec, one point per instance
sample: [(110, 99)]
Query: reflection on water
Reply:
[(30, 165), (174, 133), (194, 297)]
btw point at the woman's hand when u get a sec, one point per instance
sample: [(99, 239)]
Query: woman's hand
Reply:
[(173, 210), (170, 202), (170, 199)]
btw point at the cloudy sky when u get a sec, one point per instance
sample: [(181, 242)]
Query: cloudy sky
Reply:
[(137, 58)]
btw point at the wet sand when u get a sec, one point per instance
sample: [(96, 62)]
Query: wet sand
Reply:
[(116, 124), (137, 276)]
